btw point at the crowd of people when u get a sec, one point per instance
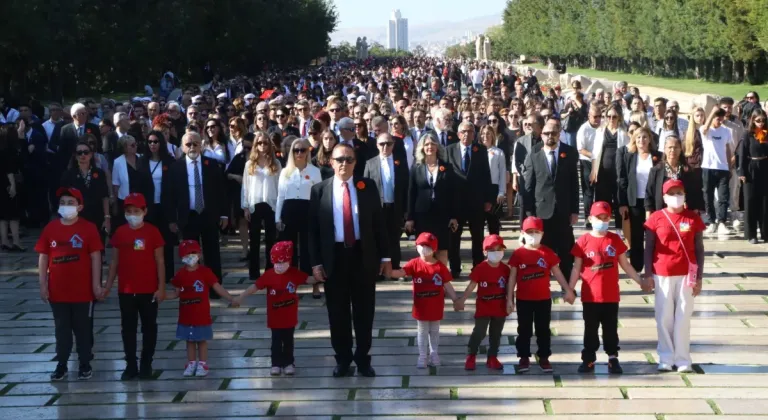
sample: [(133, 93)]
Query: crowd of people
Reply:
[(333, 167)]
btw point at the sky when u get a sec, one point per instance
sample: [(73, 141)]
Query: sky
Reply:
[(357, 13)]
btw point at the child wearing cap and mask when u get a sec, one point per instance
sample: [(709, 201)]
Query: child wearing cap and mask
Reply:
[(431, 282), (192, 284), (531, 267), (282, 282), (491, 305), (597, 257)]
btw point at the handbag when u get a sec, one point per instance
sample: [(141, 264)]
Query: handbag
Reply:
[(693, 269)]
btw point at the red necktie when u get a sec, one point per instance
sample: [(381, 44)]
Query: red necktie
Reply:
[(304, 129), (349, 224)]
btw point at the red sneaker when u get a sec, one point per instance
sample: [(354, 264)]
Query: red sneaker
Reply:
[(470, 363), (494, 364), (545, 365), (524, 365)]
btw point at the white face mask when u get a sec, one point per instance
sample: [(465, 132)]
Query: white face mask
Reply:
[(674, 201), (600, 226), (134, 220), (533, 240), (495, 256), (424, 251), (190, 259), (68, 212), (281, 268)]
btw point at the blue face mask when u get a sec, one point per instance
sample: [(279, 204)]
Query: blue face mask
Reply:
[(600, 226)]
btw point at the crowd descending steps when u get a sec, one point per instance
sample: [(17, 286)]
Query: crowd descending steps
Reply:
[(729, 346)]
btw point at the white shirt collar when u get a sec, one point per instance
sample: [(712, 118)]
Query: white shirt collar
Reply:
[(189, 161), (338, 182)]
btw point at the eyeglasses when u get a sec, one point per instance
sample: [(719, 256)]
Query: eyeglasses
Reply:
[(751, 97), (189, 145), (386, 143), (299, 151), (211, 127), (613, 116), (83, 152), (492, 120), (669, 118), (231, 110), (300, 108), (759, 120), (313, 133), (262, 143), (153, 141), (333, 109), (527, 124), (344, 159), (233, 126), (281, 115), (548, 133)]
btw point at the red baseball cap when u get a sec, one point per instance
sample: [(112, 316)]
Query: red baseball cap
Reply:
[(282, 252), (600, 208), (136, 200), (672, 183), (72, 192), (533, 222), (188, 247), (492, 241), (427, 239)]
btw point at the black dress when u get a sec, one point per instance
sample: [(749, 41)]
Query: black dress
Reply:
[(10, 208), (94, 188)]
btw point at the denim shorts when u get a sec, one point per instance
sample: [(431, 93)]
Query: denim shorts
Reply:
[(194, 332)]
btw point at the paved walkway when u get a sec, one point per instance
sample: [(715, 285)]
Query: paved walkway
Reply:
[(729, 335)]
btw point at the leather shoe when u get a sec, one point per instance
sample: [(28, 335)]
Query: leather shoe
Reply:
[(366, 371), (341, 371)]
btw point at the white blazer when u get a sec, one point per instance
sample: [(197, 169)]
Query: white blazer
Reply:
[(120, 176), (622, 139)]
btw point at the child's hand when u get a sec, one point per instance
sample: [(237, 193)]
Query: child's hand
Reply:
[(458, 305), (510, 306), (235, 303), (570, 296)]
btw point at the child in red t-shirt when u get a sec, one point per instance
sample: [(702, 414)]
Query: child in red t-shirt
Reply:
[(70, 279), (530, 269), (597, 257), (192, 285), (139, 263), (491, 303), (431, 281), (282, 282)]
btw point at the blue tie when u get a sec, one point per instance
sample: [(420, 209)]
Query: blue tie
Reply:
[(465, 161)]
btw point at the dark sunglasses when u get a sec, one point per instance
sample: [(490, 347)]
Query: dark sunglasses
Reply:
[(281, 115), (313, 133), (386, 143), (191, 144), (669, 118), (759, 120), (262, 143), (211, 126), (83, 152), (492, 120), (344, 159), (153, 141), (299, 151)]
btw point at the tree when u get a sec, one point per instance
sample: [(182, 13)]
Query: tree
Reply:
[(461, 51), (419, 51)]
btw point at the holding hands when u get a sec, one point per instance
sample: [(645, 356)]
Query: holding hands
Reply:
[(569, 296)]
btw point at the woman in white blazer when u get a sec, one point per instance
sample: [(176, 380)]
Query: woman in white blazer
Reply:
[(609, 138), (498, 164), (127, 177)]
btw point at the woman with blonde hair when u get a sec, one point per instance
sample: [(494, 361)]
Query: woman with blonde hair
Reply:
[(609, 138), (497, 162), (401, 133)]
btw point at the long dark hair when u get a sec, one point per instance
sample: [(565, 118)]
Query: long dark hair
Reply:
[(9, 138), (221, 139), (162, 150), (756, 114)]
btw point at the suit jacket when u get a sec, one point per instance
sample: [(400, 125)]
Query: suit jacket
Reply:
[(373, 238), (474, 187), (64, 139), (654, 197), (288, 131), (524, 146), (450, 136), (545, 195), (373, 171), (363, 152), (626, 164), (37, 160), (420, 199), (175, 191), (109, 146)]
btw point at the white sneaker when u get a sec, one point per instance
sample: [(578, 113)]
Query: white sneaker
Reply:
[(202, 369), (712, 228), (663, 367), (434, 359), (421, 363), (190, 370), (276, 371), (684, 369), (722, 229), (289, 370), (736, 224)]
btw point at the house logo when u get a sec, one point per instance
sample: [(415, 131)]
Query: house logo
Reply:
[(198, 285), (522, 266), (437, 280), (138, 245), (685, 227), (290, 287), (610, 251), (541, 263), (273, 292), (502, 282), (76, 241), (53, 244)]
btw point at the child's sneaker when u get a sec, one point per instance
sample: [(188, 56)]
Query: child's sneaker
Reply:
[(663, 367), (493, 363), (614, 366), (434, 359), (202, 369), (684, 369), (276, 371), (524, 365), (190, 369), (60, 373), (587, 367), (545, 365), (289, 370), (85, 372), (470, 363)]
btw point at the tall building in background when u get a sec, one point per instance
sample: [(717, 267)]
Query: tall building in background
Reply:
[(397, 32)]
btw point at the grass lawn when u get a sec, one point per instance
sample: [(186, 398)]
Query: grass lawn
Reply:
[(736, 91)]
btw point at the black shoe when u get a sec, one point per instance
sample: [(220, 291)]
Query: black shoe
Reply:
[(614, 366), (131, 372), (145, 371), (317, 295), (60, 373), (366, 371), (85, 372), (587, 367), (5, 248), (17, 248), (341, 371)]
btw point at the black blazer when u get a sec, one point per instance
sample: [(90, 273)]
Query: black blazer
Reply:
[(288, 131), (93, 195), (64, 139), (373, 237), (363, 152), (145, 167), (175, 194), (626, 163), (373, 171), (654, 197), (398, 150), (544, 194), (749, 147), (450, 137), (475, 188), (420, 193)]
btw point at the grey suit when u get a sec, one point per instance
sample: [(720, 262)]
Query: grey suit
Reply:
[(393, 212)]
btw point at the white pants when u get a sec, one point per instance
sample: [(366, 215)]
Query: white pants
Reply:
[(674, 307), (428, 337)]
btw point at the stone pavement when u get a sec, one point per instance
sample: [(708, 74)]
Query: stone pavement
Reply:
[(729, 336)]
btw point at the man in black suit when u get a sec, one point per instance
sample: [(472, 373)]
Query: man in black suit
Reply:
[(391, 177), (194, 200), (347, 132), (470, 164), (532, 126), (282, 127), (348, 249), (443, 122), (552, 191)]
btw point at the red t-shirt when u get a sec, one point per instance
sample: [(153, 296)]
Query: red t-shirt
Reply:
[(136, 265), (491, 289), (600, 266), (69, 249), (668, 256), (533, 271), (428, 292), (282, 300), (194, 303)]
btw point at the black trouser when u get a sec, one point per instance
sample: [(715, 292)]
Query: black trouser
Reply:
[(637, 234), (476, 221), (756, 200), (282, 347), (596, 315), (607, 189), (494, 223), (156, 217), (558, 235), (530, 313), (77, 319), (587, 189), (205, 228), (494, 326), (349, 285), (36, 195), (394, 228), (133, 307), (521, 199), (714, 178), (295, 217), (262, 214)]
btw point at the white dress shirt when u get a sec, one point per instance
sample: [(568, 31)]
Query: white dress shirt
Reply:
[(48, 126), (156, 170), (410, 146), (120, 176), (191, 179), (261, 187), (217, 153), (642, 170), (338, 208), (296, 186), (497, 162), (550, 156), (440, 139), (585, 139), (387, 179)]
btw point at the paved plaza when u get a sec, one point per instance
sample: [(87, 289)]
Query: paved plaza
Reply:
[(729, 346)]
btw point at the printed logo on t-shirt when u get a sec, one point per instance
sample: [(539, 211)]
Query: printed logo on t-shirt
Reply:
[(273, 292), (610, 251), (417, 280), (76, 241), (437, 280), (138, 245), (502, 282), (290, 287), (685, 227), (53, 244), (541, 263), (522, 266), (716, 138), (198, 285)]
